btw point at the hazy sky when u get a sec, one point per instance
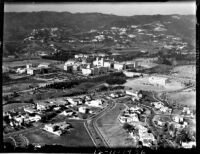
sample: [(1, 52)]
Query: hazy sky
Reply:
[(124, 9)]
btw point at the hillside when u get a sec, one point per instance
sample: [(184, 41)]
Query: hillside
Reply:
[(86, 27)]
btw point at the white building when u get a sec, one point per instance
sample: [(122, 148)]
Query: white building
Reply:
[(107, 64), (70, 62), (188, 145), (158, 80), (43, 65), (119, 66), (131, 74), (83, 109), (29, 110), (72, 102), (21, 70), (132, 93), (41, 106), (68, 67), (94, 103), (34, 118), (57, 128), (98, 62), (67, 113), (32, 71), (177, 118), (86, 71)]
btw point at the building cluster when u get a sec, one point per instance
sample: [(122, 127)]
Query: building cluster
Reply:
[(179, 122), (143, 135), (29, 69), (19, 119), (57, 128), (98, 66), (131, 115), (159, 106), (117, 94)]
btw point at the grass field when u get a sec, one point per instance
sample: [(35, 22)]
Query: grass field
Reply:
[(184, 98), (77, 137), (13, 106), (112, 130)]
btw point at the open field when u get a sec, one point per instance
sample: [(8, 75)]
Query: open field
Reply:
[(112, 130), (77, 137), (184, 98), (8, 107), (24, 62), (187, 71), (143, 84)]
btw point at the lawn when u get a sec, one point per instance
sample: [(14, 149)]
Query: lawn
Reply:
[(77, 137), (112, 130), (14, 106), (184, 98)]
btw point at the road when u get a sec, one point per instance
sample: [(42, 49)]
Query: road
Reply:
[(93, 121)]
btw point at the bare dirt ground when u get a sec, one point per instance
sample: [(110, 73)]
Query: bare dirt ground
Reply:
[(143, 84), (187, 71)]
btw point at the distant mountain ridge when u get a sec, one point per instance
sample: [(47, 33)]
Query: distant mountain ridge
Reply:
[(18, 25)]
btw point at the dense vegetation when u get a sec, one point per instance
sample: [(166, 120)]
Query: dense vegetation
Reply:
[(116, 80), (8, 147)]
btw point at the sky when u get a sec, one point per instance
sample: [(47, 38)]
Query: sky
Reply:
[(122, 9)]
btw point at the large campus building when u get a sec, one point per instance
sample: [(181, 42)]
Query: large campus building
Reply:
[(160, 81)]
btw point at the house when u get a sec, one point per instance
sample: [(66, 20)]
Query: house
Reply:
[(132, 93), (157, 105), (70, 62), (34, 118), (131, 64), (29, 110), (186, 110), (72, 102), (32, 71), (67, 113), (177, 118), (88, 98), (41, 106), (68, 68), (21, 70), (114, 95), (76, 67), (19, 118), (160, 81), (57, 128), (94, 103), (43, 65)]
